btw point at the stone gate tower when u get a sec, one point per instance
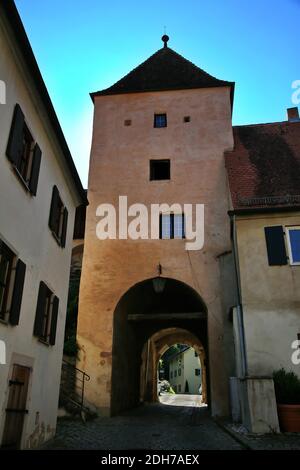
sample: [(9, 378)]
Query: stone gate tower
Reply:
[(159, 136)]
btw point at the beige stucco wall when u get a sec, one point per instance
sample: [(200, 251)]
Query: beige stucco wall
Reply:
[(24, 227), (120, 166), (270, 297)]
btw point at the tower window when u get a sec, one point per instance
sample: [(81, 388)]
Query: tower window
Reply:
[(160, 120), (159, 169), (171, 226), (187, 119)]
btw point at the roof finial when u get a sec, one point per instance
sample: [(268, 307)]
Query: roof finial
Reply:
[(165, 38)]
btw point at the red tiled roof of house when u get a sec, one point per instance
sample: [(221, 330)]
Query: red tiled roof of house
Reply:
[(264, 167)]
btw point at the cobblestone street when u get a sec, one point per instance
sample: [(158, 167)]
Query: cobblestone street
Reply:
[(157, 426)]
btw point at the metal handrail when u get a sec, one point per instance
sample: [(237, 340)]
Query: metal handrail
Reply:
[(72, 384)]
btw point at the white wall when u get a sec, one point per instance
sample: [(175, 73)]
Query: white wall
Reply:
[(187, 362), (24, 227)]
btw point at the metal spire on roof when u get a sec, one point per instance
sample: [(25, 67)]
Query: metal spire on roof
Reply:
[(165, 39)]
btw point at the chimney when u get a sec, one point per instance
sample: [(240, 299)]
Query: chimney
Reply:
[(293, 114)]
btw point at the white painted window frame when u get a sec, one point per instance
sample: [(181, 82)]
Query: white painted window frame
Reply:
[(288, 242)]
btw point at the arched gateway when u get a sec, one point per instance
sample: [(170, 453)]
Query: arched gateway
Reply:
[(151, 316), (159, 138)]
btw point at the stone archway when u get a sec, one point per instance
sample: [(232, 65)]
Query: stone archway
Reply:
[(155, 347), (154, 311)]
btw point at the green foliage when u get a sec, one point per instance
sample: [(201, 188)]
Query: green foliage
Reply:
[(165, 386), (70, 346), (287, 387)]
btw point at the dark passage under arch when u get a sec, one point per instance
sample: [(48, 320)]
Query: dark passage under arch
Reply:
[(148, 308)]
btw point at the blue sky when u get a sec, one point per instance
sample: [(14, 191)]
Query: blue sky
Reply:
[(84, 46)]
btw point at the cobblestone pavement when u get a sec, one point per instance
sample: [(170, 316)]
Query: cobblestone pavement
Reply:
[(178, 422), (153, 427), (286, 441)]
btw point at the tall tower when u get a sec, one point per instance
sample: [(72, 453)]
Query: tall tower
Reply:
[(159, 136)]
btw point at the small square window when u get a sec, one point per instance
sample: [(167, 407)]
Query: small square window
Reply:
[(160, 120), (293, 240), (159, 170), (197, 372), (187, 119), (127, 122)]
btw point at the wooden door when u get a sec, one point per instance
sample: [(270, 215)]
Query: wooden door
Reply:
[(16, 407)]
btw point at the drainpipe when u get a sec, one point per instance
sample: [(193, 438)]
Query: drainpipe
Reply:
[(240, 316)]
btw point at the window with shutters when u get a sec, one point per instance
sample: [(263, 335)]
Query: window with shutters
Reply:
[(293, 242), (171, 226), (46, 315), (23, 152), (12, 276), (275, 242), (58, 219)]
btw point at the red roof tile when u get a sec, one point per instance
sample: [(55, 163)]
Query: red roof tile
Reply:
[(264, 167)]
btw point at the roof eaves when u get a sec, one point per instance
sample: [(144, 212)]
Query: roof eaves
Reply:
[(17, 27)]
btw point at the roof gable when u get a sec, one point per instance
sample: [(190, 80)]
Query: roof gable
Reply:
[(164, 70)]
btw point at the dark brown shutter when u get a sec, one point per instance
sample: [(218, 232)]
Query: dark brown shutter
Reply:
[(64, 228), (275, 245), (40, 309), (17, 293), (54, 320), (171, 225), (15, 141), (54, 208), (36, 163)]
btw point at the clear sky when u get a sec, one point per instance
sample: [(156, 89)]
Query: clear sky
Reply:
[(84, 46)]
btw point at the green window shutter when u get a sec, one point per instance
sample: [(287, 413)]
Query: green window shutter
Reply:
[(64, 228), (54, 320), (17, 293), (35, 171), (15, 141), (275, 245), (54, 208), (40, 309)]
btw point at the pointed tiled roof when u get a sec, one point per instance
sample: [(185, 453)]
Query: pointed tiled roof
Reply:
[(164, 70)]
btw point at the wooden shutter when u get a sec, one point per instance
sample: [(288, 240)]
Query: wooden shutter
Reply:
[(36, 163), (171, 225), (40, 309), (64, 228), (54, 320), (17, 293), (275, 245), (160, 226), (54, 208), (15, 141)]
